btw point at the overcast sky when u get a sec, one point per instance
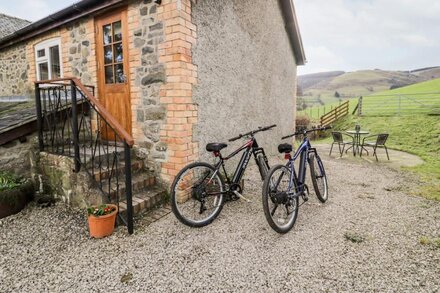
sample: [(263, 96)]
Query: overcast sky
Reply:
[(337, 34)]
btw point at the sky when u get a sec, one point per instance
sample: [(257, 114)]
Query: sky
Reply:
[(337, 34)]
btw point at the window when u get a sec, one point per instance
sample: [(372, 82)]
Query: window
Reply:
[(113, 53), (48, 59)]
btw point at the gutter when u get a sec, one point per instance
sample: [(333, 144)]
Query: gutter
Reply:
[(293, 32), (57, 19)]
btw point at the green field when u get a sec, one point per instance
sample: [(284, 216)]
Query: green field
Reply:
[(406, 100), (417, 134)]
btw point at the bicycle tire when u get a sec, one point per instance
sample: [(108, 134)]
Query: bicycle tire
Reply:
[(183, 194), (268, 197), (317, 172)]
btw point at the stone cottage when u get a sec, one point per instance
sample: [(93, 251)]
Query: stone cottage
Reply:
[(175, 74)]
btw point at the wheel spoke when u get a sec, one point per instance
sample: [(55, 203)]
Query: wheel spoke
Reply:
[(197, 195), (275, 195)]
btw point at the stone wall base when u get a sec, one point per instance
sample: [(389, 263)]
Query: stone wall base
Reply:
[(57, 178)]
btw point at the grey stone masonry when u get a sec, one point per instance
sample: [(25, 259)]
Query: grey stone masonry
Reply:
[(150, 114), (14, 70), (79, 51)]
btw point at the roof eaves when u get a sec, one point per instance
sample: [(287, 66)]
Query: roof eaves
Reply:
[(292, 28), (57, 19)]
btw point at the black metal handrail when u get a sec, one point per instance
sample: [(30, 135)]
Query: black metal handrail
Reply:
[(72, 122)]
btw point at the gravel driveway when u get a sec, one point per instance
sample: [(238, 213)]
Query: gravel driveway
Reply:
[(368, 237)]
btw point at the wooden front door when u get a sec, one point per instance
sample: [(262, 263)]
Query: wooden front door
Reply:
[(112, 61)]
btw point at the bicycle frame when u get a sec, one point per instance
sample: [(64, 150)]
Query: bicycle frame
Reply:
[(303, 153), (249, 148)]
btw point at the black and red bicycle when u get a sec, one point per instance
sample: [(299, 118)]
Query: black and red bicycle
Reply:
[(199, 191)]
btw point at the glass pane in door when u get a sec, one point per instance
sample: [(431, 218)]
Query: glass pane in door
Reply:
[(118, 52), (107, 32), (108, 55), (109, 74), (117, 31)]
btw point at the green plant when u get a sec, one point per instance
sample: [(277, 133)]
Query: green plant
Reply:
[(10, 181), (100, 210)]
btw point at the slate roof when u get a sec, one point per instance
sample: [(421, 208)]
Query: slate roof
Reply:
[(10, 24), (14, 115)]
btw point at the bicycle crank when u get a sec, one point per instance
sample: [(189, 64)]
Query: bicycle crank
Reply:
[(241, 196)]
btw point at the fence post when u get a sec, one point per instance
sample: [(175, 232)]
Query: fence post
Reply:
[(75, 130), (360, 106), (128, 188), (39, 117), (399, 107)]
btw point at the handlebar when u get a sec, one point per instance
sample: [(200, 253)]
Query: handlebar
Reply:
[(305, 131), (252, 132)]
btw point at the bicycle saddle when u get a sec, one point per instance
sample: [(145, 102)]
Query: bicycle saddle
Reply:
[(285, 148), (215, 147)]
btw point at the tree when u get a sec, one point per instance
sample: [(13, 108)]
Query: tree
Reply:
[(337, 95)]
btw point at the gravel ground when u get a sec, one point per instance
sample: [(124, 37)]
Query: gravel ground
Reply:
[(48, 250)]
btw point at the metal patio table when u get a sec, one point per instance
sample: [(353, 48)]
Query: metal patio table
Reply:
[(357, 140)]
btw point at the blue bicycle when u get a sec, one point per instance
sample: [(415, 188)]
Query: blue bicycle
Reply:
[(283, 186)]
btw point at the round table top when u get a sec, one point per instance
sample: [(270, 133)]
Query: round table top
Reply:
[(359, 132)]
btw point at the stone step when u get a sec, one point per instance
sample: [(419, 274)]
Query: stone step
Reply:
[(101, 156), (144, 201), (104, 173), (139, 181)]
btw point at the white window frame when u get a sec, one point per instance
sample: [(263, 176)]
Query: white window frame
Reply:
[(46, 58)]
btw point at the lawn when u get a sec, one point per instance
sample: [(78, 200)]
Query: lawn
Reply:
[(418, 135)]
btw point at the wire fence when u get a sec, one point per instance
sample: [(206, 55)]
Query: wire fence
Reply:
[(399, 104)]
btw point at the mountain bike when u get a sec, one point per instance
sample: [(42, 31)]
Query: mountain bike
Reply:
[(283, 186), (199, 192)]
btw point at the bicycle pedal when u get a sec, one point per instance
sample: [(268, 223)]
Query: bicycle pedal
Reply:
[(241, 196)]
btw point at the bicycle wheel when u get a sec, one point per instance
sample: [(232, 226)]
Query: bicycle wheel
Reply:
[(319, 179), (262, 166), (280, 210), (197, 195)]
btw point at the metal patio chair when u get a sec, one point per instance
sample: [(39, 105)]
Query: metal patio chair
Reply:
[(338, 138), (380, 141)]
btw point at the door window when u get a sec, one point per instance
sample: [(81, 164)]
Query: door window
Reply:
[(113, 53)]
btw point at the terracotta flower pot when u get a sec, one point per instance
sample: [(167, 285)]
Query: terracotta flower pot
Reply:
[(102, 226)]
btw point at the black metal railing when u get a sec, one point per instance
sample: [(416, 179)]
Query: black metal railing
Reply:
[(71, 122)]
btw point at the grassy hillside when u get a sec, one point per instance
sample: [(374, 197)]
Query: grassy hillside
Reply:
[(430, 86), (320, 89), (380, 98)]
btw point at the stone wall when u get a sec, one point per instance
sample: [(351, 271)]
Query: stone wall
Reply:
[(146, 32), (14, 72), (77, 48), (246, 72), (61, 182), (16, 156)]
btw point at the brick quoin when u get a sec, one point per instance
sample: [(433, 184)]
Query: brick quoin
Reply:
[(176, 92)]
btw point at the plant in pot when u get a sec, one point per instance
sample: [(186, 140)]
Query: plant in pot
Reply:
[(102, 220), (15, 193)]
